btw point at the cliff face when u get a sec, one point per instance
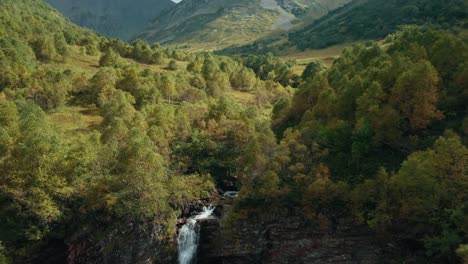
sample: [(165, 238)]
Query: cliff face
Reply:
[(278, 236), (284, 236), (132, 243), (112, 243)]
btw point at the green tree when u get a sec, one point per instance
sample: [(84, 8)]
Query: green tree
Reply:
[(217, 84), (34, 186), (312, 69), (167, 86), (61, 46), (244, 80), (427, 196), (172, 65), (416, 94), (109, 58), (44, 48)]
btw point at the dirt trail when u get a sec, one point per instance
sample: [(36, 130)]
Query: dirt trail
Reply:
[(284, 20)]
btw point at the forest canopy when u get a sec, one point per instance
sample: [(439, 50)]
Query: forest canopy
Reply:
[(96, 133)]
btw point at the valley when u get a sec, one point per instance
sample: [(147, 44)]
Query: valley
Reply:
[(221, 24), (233, 132)]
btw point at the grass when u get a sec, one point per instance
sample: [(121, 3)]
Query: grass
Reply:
[(302, 58), (327, 55), (243, 97), (77, 62), (239, 26), (159, 68), (77, 119)]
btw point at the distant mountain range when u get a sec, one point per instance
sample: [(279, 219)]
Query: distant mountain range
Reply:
[(365, 20), (373, 19), (223, 23), (259, 25), (113, 18)]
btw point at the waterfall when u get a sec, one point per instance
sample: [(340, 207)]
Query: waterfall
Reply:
[(188, 236)]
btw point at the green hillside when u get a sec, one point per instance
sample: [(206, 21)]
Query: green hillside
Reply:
[(362, 20), (96, 132), (105, 146), (380, 135), (375, 19), (210, 25)]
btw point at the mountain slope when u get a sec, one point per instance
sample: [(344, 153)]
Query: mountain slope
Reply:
[(372, 19), (92, 140), (224, 23), (113, 18), (362, 20)]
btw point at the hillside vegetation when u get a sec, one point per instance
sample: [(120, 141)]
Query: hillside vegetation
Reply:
[(96, 132), (362, 20), (210, 25), (97, 135), (377, 18), (380, 135)]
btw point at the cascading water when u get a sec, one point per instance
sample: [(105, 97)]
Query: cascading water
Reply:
[(188, 237)]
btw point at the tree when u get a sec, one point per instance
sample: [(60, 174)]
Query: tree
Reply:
[(44, 48), (61, 45), (34, 186), (109, 58), (9, 127), (49, 89), (370, 102), (426, 198), (167, 86), (443, 57), (91, 48), (157, 57), (210, 66), (244, 80), (172, 65), (136, 188), (416, 94), (312, 69), (217, 84), (104, 80)]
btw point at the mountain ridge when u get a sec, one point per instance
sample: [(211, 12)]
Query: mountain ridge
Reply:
[(119, 18)]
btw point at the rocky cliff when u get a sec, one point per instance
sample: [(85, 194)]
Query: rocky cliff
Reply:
[(286, 236), (277, 236), (125, 242), (132, 243)]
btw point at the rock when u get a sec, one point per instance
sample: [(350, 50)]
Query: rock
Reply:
[(286, 236), (125, 243)]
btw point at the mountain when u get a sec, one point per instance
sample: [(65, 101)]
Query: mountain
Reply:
[(113, 18), (221, 23), (365, 20), (373, 19)]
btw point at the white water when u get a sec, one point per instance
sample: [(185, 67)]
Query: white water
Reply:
[(188, 236), (231, 194)]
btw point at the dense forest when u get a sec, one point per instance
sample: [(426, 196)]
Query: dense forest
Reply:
[(96, 133), (382, 135), (162, 136)]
